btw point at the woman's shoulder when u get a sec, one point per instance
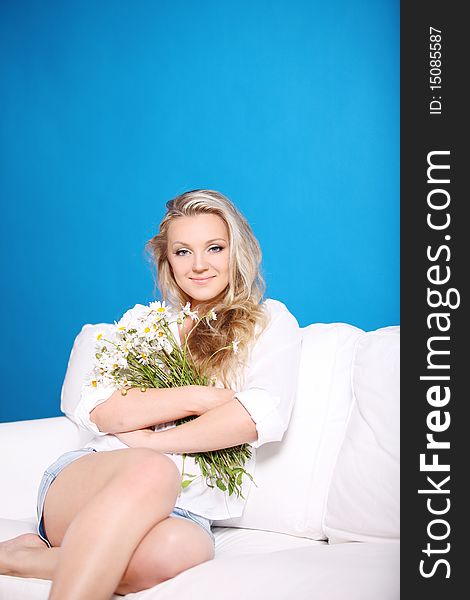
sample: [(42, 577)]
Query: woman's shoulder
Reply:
[(275, 307), (279, 313)]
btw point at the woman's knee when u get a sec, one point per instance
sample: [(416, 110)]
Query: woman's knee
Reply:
[(172, 547), (146, 471), (132, 477)]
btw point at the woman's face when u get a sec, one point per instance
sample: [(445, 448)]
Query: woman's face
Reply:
[(198, 252)]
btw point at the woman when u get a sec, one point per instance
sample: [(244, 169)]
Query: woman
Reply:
[(113, 517)]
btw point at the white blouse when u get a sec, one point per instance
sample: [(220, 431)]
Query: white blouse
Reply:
[(266, 388)]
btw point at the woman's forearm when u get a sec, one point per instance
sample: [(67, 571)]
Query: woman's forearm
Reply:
[(222, 427), (138, 409)]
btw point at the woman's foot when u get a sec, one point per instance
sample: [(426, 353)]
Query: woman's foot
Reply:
[(12, 552)]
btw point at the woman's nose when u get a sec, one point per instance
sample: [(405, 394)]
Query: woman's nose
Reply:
[(199, 262)]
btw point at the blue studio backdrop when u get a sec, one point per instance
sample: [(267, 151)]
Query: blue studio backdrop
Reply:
[(110, 108)]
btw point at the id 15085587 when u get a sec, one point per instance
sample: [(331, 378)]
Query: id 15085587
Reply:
[(435, 70)]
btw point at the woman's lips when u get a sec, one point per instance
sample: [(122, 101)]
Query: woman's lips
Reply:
[(201, 281)]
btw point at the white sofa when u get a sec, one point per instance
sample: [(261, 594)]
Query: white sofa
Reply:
[(324, 520)]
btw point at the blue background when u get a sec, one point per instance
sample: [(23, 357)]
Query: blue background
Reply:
[(108, 109)]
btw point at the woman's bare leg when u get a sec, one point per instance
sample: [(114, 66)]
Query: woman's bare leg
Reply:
[(98, 510), (28, 556), (170, 547)]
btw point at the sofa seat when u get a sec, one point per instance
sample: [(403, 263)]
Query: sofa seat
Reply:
[(256, 565)]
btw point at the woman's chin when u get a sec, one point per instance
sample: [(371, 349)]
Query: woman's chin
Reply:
[(205, 300)]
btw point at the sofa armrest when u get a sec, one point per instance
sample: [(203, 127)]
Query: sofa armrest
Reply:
[(27, 448)]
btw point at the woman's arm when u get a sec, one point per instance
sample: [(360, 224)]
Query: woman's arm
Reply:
[(222, 427), (257, 414), (138, 409)]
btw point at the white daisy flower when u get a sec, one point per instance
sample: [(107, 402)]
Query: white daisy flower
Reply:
[(132, 317), (235, 345), (124, 348), (145, 332), (158, 309), (211, 315), (143, 358), (187, 312), (113, 362)]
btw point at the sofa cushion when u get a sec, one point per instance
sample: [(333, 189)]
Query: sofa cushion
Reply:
[(293, 475), (11, 528), (269, 565), (34, 445), (363, 502), (340, 572)]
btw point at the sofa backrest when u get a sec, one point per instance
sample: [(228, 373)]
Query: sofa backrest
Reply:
[(364, 496), (293, 475)]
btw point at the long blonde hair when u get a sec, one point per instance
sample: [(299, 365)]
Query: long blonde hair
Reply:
[(241, 316)]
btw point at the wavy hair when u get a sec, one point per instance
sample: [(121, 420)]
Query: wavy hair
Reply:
[(241, 316)]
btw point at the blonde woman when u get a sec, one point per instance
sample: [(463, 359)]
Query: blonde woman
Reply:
[(113, 517)]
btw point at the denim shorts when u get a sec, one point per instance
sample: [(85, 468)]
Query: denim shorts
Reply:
[(63, 461)]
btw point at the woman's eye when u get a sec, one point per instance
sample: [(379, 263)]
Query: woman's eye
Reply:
[(216, 248), (181, 252)]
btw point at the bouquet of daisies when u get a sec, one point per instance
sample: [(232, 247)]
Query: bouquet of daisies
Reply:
[(142, 351)]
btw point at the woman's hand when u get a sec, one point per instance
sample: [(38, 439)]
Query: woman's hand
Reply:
[(209, 397)]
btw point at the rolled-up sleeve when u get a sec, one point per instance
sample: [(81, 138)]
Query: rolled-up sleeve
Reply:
[(81, 364), (77, 398), (270, 386), (90, 398)]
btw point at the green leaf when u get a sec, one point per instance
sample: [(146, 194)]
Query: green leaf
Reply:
[(185, 483), (221, 485), (248, 475)]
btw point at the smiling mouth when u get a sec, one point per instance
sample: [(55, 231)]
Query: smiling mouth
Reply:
[(201, 278)]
